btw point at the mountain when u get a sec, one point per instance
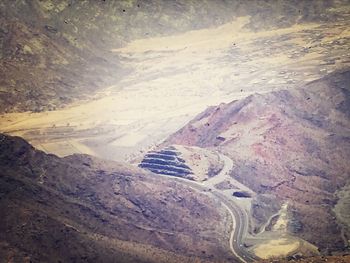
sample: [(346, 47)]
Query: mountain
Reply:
[(55, 52), (82, 209), (290, 147), (262, 177)]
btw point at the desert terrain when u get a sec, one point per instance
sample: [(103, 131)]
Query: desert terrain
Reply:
[(175, 131), (170, 79), (281, 152)]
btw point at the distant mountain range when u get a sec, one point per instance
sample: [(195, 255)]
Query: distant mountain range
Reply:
[(55, 52)]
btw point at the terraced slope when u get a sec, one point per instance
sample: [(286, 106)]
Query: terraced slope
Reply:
[(166, 162)]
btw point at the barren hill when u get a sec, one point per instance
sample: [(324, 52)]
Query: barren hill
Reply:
[(293, 145), (81, 209)]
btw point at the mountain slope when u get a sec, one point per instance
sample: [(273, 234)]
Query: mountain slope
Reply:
[(83, 209), (293, 145), (54, 52)]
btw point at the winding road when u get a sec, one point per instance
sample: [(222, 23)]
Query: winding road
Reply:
[(239, 216)]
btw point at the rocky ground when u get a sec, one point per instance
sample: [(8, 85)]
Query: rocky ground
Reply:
[(334, 259), (293, 145), (82, 209)]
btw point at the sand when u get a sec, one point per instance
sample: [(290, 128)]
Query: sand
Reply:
[(173, 79), (276, 248)]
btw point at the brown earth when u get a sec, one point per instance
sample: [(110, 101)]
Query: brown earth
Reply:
[(331, 259), (292, 144), (82, 209)]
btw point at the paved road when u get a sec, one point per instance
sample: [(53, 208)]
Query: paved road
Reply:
[(225, 176), (239, 215)]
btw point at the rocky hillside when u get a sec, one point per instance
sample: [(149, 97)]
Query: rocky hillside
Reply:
[(330, 259), (293, 145), (81, 209), (56, 51)]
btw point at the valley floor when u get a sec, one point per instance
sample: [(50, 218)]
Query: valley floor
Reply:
[(174, 78)]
